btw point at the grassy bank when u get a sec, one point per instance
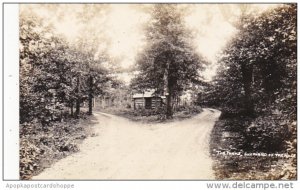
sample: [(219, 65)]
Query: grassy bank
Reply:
[(235, 156), (153, 115), (41, 146)]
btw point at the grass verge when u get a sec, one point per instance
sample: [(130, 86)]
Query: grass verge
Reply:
[(41, 146), (232, 161), (152, 115)]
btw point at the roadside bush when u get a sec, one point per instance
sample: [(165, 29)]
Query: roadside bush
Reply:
[(41, 145), (160, 112), (149, 112), (29, 157), (193, 109), (266, 134)]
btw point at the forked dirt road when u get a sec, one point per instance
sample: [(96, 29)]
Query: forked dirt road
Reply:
[(128, 150)]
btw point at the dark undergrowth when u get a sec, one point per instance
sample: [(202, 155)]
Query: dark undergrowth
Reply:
[(41, 146), (243, 151)]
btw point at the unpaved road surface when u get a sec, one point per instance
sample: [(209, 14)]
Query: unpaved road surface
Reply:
[(128, 150)]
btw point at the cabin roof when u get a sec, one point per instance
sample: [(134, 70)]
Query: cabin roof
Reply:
[(147, 94)]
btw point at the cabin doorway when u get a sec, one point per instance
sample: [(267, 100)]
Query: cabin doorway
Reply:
[(148, 103)]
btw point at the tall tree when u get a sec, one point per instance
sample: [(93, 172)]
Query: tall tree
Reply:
[(55, 74), (259, 64), (256, 55), (169, 63)]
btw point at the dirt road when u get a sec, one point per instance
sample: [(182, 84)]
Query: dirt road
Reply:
[(128, 150)]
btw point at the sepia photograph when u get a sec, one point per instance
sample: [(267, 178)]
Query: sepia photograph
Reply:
[(158, 91)]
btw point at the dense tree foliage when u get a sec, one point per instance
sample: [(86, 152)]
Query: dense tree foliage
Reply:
[(264, 49), (257, 77), (169, 63), (54, 76), (56, 79), (256, 84)]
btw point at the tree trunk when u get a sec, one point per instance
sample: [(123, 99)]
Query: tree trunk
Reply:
[(247, 73), (169, 113), (72, 110), (78, 98), (90, 82)]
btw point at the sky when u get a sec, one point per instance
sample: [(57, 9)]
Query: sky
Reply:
[(122, 27)]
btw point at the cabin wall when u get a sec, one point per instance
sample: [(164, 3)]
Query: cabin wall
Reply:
[(139, 103), (156, 102)]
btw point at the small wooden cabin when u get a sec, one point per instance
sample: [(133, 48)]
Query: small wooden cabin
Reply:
[(147, 100)]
